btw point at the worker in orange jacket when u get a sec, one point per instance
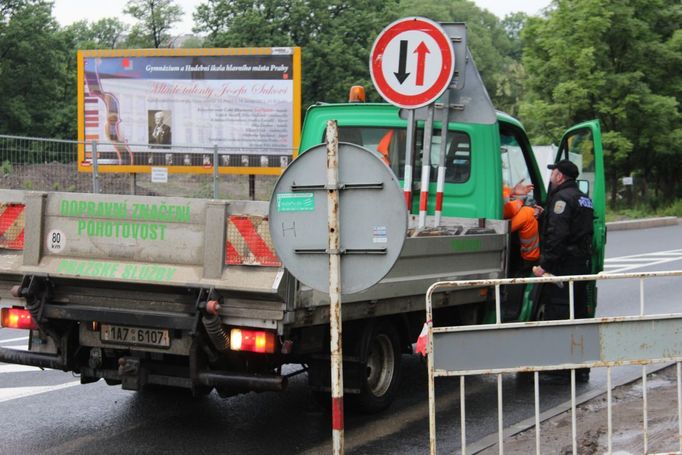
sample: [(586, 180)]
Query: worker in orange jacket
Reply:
[(384, 145), (523, 219)]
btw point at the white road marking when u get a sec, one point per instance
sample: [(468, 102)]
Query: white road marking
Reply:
[(15, 393), (12, 340), (18, 347), (635, 261), (13, 368)]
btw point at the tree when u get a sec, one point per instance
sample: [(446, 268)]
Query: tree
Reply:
[(335, 37), (31, 55), (105, 33), (493, 48), (155, 19), (612, 60)]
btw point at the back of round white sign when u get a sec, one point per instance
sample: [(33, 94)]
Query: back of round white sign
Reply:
[(372, 214)]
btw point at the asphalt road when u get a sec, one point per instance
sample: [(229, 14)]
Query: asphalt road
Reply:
[(49, 412)]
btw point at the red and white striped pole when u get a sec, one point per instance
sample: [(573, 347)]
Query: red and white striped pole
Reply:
[(424, 192), (335, 286), (440, 185), (426, 167), (409, 149), (407, 186), (439, 192)]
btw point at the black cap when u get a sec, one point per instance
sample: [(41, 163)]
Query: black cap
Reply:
[(566, 167)]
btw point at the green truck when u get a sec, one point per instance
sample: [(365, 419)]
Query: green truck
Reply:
[(189, 293)]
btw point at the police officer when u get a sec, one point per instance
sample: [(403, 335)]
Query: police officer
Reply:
[(566, 231)]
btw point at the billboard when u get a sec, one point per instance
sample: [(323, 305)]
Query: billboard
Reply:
[(182, 108)]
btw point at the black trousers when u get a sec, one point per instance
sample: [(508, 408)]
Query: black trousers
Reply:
[(556, 301), (556, 298)]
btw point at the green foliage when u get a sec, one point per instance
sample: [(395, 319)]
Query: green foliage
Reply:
[(155, 19), (205, 190), (618, 61), (645, 210), (6, 167), (615, 60), (494, 45), (335, 37), (31, 95), (674, 209)]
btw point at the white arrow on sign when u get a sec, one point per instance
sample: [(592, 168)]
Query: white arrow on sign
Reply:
[(412, 62)]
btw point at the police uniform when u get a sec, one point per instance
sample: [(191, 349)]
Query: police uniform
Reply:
[(566, 243)]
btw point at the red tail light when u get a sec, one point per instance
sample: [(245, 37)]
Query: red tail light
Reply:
[(17, 318), (252, 340)]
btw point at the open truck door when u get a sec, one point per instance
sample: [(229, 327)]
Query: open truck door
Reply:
[(583, 146)]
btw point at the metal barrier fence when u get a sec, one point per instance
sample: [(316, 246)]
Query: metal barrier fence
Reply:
[(52, 165), (556, 345)]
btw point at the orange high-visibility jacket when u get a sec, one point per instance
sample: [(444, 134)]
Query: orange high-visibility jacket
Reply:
[(522, 220)]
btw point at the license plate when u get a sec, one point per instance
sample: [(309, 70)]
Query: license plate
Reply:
[(138, 336)]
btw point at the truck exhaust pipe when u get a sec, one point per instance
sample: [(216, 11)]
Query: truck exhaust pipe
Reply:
[(34, 359), (237, 381)]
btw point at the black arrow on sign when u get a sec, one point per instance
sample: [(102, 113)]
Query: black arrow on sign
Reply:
[(401, 75)]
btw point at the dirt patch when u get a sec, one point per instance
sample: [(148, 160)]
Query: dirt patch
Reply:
[(55, 176), (627, 418)]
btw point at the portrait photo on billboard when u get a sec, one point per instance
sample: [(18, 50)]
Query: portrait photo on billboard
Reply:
[(160, 132)]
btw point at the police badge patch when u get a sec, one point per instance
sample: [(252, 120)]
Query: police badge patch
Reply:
[(559, 207), (585, 202)]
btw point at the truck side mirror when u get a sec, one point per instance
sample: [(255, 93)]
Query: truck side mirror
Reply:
[(584, 186)]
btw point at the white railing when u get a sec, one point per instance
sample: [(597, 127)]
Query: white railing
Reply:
[(593, 343)]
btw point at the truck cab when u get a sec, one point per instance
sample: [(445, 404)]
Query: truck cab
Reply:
[(480, 160)]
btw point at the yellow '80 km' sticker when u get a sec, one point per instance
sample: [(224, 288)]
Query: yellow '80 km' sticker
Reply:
[(559, 207)]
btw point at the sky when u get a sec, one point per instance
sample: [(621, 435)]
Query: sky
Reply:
[(69, 11)]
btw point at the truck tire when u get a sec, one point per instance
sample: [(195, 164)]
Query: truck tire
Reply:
[(381, 361)]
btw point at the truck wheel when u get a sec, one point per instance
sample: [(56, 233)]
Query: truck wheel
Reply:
[(382, 369)]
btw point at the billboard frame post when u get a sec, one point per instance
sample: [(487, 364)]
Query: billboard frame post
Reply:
[(252, 187), (95, 169), (215, 172)]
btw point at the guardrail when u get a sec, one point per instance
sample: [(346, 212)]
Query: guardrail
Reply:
[(557, 345)]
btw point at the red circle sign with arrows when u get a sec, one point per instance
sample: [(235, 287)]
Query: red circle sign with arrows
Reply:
[(412, 62)]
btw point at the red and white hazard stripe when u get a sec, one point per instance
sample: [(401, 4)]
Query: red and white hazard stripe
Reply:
[(249, 242), (424, 194), (12, 226), (407, 186), (440, 185)]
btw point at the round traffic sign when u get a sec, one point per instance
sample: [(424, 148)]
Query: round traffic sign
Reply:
[(412, 62), (372, 218)]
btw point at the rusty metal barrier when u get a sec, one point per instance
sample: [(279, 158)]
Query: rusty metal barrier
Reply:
[(603, 342)]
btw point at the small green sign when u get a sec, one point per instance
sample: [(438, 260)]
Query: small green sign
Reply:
[(295, 202), (465, 245)]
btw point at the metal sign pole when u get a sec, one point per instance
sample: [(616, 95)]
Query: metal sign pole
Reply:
[(426, 167), (335, 286), (440, 185), (409, 155), (95, 169)]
